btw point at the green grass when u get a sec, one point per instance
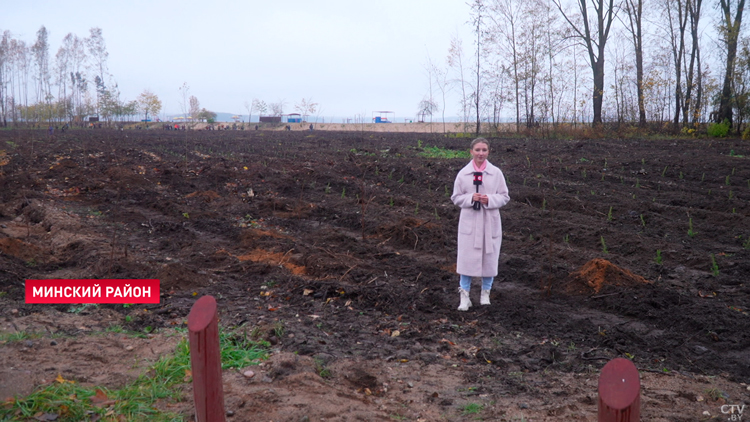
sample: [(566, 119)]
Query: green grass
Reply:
[(437, 152), (137, 400), (472, 408), (19, 336), (714, 266)]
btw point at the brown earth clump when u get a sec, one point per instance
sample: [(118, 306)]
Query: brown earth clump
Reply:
[(274, 259), (19, 249), (598, 273)]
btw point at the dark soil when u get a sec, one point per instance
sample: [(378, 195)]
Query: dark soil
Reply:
[(341, 246)]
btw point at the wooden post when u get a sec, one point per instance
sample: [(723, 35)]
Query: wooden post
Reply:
[(205, 360), (619, 392)]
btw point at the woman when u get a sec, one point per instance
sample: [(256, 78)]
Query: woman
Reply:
[(479, 227)]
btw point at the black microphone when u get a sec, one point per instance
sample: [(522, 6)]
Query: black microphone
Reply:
[(477, 181)]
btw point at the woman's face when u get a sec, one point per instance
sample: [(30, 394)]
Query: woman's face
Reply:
[(479, 153)]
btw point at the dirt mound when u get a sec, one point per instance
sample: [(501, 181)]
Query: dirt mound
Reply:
[(19, 249), (177, 276), (598, 273)]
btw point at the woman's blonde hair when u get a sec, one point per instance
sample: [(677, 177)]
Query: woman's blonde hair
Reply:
[(480, 141)]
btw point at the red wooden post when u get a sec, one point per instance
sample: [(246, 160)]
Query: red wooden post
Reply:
[(619, 392), (205, 360)]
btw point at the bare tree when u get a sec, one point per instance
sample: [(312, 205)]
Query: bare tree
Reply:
[(306, 107), (195, 107), (742, 83), (478, 17), (277, 108), (184, 101), (4, 70), (455, 62), (440, 77), (75, 58), (249, 108), (693, 76), (426, 108), (40, 50), (634, 25), (676, 31), (730, 32), (594, 36), (506, 25), (260, 106), (62, 68), (97, 52)]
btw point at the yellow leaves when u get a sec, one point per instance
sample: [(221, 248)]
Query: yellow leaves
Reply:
[(307, 292), (4, 159), (62, 380)]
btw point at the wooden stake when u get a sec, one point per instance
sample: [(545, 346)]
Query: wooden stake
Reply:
[(205, 360), (619, 392)]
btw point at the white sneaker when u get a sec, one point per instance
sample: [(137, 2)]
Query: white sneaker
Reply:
[(484, 299), (465, 301)]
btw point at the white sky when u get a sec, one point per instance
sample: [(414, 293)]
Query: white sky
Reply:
[(352, 57)]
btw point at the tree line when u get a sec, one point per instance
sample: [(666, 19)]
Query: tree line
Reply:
[(670, 63), (76, 83)]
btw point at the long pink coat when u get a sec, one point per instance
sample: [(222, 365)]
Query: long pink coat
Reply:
[(480, 233)]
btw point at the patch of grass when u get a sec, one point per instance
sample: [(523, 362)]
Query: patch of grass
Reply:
[(715, 394), (443, 153), (321, 369), (472, 408), (137, 400), (18, 336), (658, 258)]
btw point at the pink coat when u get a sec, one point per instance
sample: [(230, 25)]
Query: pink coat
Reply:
[(480, 233)]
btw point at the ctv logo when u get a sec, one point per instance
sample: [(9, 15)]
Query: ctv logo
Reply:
[(733, 409)]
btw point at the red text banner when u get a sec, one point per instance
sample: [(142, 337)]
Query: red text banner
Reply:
[(92, 291)]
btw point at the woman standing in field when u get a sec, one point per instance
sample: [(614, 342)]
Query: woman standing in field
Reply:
[(480, 190)]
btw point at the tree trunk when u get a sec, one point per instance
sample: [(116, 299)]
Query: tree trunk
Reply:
[(731, 36), (598, 70)]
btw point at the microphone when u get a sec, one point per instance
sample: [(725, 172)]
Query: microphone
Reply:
[(477, 181)]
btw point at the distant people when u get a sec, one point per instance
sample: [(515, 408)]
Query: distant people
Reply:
[(311, 127), (65, 127), (51, 130), (256, 127)]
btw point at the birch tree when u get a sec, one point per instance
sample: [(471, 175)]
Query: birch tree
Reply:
[(40, 51)]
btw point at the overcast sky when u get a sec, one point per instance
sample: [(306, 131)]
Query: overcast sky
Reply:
[(351, 57)]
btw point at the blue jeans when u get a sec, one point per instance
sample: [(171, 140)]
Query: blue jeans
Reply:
[(465, 282)]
